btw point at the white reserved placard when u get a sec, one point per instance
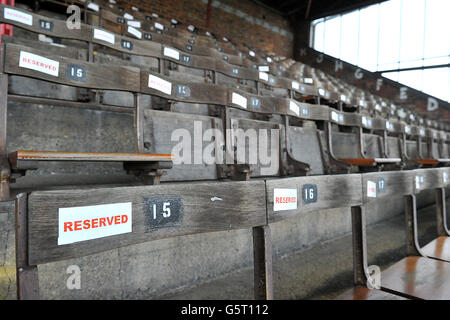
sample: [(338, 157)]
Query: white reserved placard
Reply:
[(334, 116), (38, 63), (371, 189), (264, 76), (159, 26), (171, 53), (295, 85), (135, 24), (93, 6), (308, 80), (417, 179), (18, 16), (294, 108), (135, 32), (159, 84), (239, 100), (263, 68), (104, 36), (284, 199), (128, 16), (78, 224)]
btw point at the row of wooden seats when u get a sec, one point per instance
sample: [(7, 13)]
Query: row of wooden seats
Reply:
[(171, 54), (139, 82), (423, 273), (302, 88), (342, 97), (254, 75), (249, 204), (256, 204)]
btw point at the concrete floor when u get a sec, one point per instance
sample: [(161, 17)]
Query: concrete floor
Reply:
[(326, 267)]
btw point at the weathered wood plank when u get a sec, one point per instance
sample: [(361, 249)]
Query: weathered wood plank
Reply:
[(386, 184), (311, 193), (196, 208), (430, 178), (167, 132), (71, 72), (41, 24)]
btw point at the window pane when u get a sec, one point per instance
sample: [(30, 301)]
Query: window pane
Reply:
[(413, 79), (412, 25), (368, 38), (349, 34), (318, 36), (436, 82), (391, 75), (332, 37), (392, 35), (389, 31), (437, 28)]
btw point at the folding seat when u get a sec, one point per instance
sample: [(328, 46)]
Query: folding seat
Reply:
[(439, 248), (357, 149), (33, 63), (433, 140), (413, 277)]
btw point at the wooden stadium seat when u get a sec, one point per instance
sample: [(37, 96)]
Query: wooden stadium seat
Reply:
[(32, 63), (143, 213), (364, 293), (437, 179), (377, 157), (416, 276), (429, 160)]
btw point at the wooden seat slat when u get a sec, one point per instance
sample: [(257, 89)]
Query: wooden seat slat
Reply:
[(195, 208), (418, 277), (314, 193), (439, 249), (59, 27), (363, 293), (93, 75), (28, 155)]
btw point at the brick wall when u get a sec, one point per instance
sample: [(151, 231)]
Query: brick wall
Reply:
[(239, 20)]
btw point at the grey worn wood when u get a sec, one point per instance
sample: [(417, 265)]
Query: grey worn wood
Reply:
[(338, 191), (441, 213), (206, 207), (59, 26), (251, 148), (359, 243), (4, 166), (164, 131), (97, 76), (262, 261), (432, 178), (395, 183), (304, 145), (27, 277)]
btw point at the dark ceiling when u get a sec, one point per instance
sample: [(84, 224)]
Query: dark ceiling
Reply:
[(312, 9)]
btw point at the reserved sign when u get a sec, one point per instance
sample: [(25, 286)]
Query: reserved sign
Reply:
[(93, 222)]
